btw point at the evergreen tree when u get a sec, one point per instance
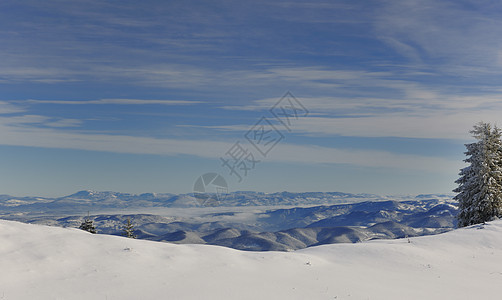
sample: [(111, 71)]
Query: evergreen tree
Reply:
[(480, 184), (129, 229), (88, 225)]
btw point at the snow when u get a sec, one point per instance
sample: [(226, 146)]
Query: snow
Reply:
[(40, 262)]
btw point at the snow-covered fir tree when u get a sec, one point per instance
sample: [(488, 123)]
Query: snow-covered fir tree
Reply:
[(480, 183), (129, 229), (88, 225)]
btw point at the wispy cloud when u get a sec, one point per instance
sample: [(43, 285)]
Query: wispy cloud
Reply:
[(12, 73), (450, 33), (64, 123), (32, 121), (115, 76), (115, 101), (288, 153), (416, 112), (9, 108), (414, 99), (49, 132), (365, 158), (439, 126)]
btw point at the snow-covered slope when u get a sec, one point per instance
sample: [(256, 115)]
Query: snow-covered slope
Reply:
[(39, 262)]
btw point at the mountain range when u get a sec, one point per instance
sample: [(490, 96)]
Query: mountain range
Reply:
[(247, 220), (95, 201)]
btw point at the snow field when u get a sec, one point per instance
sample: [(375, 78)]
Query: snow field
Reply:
[(40, 262)]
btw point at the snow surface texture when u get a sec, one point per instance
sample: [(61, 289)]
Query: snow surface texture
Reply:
[(40, 262)]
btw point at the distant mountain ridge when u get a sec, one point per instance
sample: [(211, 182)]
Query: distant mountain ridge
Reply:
[(95, 201)]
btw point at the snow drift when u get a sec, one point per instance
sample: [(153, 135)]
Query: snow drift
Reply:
[(39, 262)]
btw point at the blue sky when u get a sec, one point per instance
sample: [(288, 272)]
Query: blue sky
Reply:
[(147, 96)]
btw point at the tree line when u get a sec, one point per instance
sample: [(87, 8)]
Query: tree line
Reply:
[(480, 183), (127, 228)]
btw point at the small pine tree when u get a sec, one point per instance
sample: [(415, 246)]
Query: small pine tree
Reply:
[(129, 229), (480, 185), (88, 225)]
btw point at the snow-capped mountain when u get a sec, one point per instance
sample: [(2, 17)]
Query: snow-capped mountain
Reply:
[(97, 201)]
